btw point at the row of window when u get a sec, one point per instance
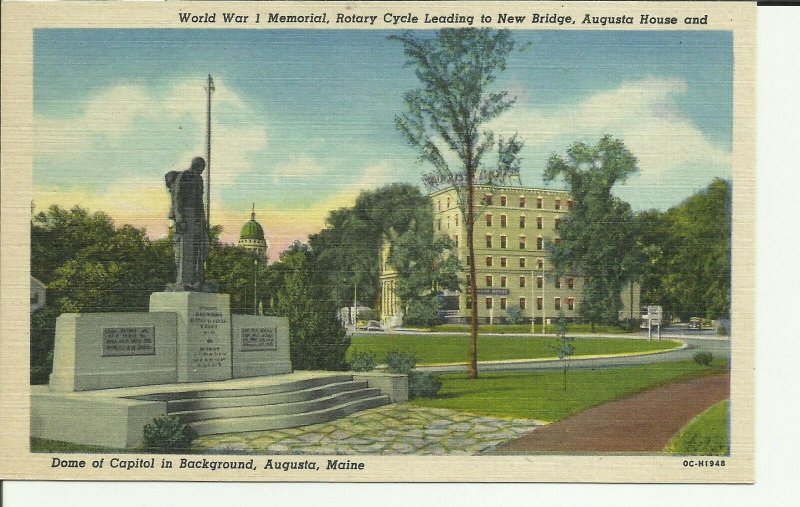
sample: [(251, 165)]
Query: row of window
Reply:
[(488, 200), (504, 262), (504, 221), (522, 242), (570, 282), (523, 303)]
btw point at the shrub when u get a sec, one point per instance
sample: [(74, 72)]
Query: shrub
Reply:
[(514, 314), (422, 384), (400, 362), (703, 358), (167, 433), (362, 361), (423, 312), (368, 315)]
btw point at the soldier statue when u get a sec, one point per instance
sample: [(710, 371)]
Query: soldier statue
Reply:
[(190, 231)]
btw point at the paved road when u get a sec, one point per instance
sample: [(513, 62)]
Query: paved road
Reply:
[(720, 348)]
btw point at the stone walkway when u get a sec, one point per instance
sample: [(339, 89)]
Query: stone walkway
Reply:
[(391, 429)]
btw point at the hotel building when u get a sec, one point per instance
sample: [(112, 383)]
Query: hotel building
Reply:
[(511, 262)]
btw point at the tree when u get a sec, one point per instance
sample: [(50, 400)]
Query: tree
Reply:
[(349, 247), (237, 271), (688, 254), (598, 237), (317, 338), (447, 117)]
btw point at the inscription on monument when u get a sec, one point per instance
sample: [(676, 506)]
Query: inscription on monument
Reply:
[(259, 338), (129, 341), (207, 320)]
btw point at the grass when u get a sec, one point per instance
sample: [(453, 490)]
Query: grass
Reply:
[(437, 349), (526, 328), (705, 435), (540, 395), (45, 445)]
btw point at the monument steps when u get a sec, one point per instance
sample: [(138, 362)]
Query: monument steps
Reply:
[(271, 422), (254, 391), (299, 407), (228, 400)]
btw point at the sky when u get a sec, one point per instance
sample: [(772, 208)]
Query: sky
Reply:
[(303, 120)]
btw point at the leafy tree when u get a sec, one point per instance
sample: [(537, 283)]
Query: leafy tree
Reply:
[(446, 118), (349, 247), (598, 237), (688, 268), (317, 338), (236, 269)]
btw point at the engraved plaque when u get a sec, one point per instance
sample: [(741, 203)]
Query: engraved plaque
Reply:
[(259, 338), (129, 341)]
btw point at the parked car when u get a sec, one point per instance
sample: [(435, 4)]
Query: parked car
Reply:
[(694, 323), (374, 325)]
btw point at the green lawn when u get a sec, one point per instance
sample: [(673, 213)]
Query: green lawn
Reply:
[(433, 349), (526, 328), (705, 435), (540, 395), (45, 445)]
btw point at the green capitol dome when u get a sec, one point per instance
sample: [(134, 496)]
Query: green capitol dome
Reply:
[(252, 230), (252, 237)]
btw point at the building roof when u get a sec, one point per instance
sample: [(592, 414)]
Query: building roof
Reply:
[(252, 229)]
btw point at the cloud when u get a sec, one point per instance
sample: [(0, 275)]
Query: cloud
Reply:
[(674, 153), (122, 124)]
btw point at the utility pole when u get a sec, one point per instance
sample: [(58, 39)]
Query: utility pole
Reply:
[(255, 286), (544, 303), (209, 89)]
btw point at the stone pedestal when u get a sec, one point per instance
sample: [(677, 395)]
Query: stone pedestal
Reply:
[(203, 333)]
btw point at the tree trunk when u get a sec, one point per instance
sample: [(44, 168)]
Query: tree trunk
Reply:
[(472, 370)]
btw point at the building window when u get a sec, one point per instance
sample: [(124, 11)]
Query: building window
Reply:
[(448, 221), (468, 302), (503, 262), (489, 261), (557, 241), (522, 201), (522, 242), (448, 203), (540, 263), (558, 204), (539, 222), (503, 281), (489, 303), (522, 281), (538, 303), (522, 221), (570, 303), (539, 281), (539, 243), (503, 241), (488, 280), (503, 303), (438, 224), (557, 223), (468, 261), (440, 204), (488, 241), (557, 303), (523, 303), (522, 262), (468, 281), (503, 221), (503, 200), (456, 220), (455, 240), (487, 199), (569, 204), (570, 283), (488, 219), (558, 282), (539, 202)]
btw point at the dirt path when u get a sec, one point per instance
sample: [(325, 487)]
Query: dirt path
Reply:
[(643, 422)]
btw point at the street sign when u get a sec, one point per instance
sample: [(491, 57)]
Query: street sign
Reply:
[(654, 314), (493, 292)]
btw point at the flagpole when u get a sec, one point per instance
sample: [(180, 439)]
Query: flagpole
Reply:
[(209, 89)]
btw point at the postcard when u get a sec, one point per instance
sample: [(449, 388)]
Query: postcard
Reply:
[(378, 241)]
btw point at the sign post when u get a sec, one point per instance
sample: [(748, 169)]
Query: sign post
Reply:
[(653, 318)]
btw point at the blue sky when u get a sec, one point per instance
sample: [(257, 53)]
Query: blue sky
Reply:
[(303, 119)]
